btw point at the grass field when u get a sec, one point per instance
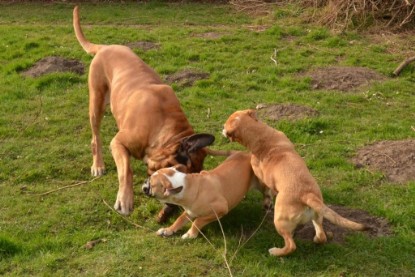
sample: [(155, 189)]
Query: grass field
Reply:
[(45, 137)]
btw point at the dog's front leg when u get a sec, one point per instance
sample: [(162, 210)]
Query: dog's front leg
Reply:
[(97, 168), (96, 113), (125, 196), (176, 226)]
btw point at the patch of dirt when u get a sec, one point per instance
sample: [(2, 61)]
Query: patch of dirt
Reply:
[(54, 64), (257, 28), (284, 111), (378, 227), (396, 159), (143, 45), (342, 78), (209, 35), (186, 77)]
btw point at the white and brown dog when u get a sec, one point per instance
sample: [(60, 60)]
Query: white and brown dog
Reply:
[(277, 164), (151, 124), (206, 196)]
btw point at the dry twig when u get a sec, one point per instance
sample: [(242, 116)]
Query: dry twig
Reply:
[(69, 186), (403, 64), (274, 56), (250, 237), (225, 252), (124, 218), (91, 244)]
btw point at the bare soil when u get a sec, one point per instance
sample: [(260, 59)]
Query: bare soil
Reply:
[(378, 227), (143, 45), (54, 64), (186, 77), (284, 111), (342, 78), (209, 35), (396, 159)]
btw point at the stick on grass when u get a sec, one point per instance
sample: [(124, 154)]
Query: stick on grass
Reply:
[(69, 186)]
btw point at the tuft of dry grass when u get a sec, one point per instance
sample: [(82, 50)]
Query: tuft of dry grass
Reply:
[(342, 14), (394, 14)]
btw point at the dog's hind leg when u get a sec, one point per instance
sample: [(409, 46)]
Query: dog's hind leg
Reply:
[(97, 95), (285, 227), (125, 196), (320, 236)]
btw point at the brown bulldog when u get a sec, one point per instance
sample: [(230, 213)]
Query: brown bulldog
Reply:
[(206, 196), (277, 164), (151, 124)]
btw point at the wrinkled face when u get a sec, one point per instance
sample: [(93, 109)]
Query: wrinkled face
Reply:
[(165, 184), (234, 123)]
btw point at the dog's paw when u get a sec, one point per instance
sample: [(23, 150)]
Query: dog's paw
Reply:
[(189, 235), (164, 232), (97, 171), (279, 252), (276, 252), (321, 238), (124, 203)]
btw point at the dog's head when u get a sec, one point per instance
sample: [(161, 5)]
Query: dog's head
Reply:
[(166, 184), (232, 126), (189, 151)]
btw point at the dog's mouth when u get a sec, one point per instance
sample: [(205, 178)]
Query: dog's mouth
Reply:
[(146, 187), (226, 135)]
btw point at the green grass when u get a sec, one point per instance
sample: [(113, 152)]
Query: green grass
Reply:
[(45, 136)]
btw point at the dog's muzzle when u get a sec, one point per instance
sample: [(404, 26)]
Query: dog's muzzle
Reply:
[(146, 187)]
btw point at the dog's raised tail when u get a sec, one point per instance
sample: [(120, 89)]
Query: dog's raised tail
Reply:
[(318, 206), (88, 46)]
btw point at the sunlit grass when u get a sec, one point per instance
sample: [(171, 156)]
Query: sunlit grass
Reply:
[(45, 136)]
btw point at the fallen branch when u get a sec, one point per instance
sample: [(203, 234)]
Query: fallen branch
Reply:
[(91, 244), (66, 187), (402, 65)]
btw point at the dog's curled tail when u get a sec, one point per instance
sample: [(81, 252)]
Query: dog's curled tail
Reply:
[(319, 207), (88, 46), (225, 153)]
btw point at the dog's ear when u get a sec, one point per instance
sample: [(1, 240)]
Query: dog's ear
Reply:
[(252, 114), (171, 191), (195, 142)]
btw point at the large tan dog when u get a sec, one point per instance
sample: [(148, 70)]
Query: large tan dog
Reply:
[(205, 196), (277, 164), (151, 124)]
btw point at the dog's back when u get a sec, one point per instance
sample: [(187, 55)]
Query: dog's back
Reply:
[(233, 178)]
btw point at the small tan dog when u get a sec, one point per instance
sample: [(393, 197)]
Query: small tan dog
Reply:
[(277, 164), (151, 124), (205, 196)]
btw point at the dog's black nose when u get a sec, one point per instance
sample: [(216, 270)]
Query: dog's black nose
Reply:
[(146, 190), (146, 187)]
